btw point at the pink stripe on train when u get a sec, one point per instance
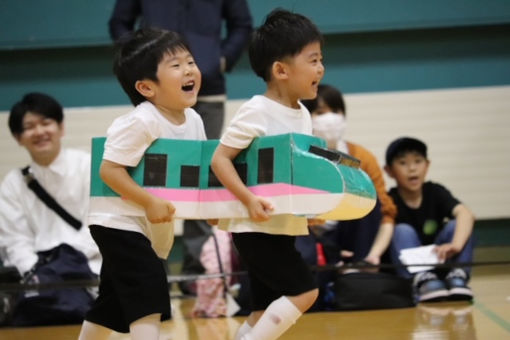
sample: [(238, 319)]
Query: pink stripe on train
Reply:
[(215, 195)]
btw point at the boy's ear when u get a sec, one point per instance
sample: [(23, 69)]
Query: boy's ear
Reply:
[(279, 70), (144, 87)]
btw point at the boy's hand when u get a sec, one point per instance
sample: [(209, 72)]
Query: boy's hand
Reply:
[(259, 209), (159, 211), (374, 260), (446, 250), (316, 222)]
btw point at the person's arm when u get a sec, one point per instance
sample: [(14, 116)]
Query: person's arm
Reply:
[(463, 229), (381, 243), (16, 235), (123, 18), (224, 170), (370, 165), (117, 178), (239, 27)]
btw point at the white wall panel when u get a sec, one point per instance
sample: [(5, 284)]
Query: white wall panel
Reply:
[(467, 132)]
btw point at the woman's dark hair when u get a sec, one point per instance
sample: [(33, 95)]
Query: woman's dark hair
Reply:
[(331, 96)]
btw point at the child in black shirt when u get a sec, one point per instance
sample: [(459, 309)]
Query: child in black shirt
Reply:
[(428, 214)]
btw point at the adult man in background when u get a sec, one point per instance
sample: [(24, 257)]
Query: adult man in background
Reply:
[(27, 225)]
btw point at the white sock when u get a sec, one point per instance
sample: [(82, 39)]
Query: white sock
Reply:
[(276, 319), (146, 328), (92, 331), (245, 328)]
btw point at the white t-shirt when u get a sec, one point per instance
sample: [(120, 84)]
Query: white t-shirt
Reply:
[(127, 139), (261, 116), (28, 226)]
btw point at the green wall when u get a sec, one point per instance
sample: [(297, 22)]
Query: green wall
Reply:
[(62, 47)]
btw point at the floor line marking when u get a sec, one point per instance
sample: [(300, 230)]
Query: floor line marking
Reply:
[(493, 316)]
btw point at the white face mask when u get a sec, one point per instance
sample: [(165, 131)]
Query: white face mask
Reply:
[(329, 126)]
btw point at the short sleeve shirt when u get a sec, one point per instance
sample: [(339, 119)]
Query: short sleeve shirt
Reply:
[(429, 218), (261, 116), (127, 139)]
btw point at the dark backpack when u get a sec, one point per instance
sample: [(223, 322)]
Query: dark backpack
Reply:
[(54, 306), (366, 290)]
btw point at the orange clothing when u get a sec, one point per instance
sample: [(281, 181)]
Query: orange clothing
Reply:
[(371, 167)]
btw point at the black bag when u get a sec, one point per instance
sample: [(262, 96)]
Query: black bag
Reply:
[(366, 290), (56, 306)]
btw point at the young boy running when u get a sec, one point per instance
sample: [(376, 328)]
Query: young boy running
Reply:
[(157, 71), (286, 53)]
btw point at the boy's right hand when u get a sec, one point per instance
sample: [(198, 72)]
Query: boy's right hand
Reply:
[(259, 209), (159, 211)]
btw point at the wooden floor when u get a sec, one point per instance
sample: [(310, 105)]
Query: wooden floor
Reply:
[(488, 317)]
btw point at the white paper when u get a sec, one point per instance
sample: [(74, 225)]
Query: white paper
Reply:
[(419, 255)]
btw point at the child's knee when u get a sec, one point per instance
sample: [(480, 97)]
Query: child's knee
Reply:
[(403, 229), (305, 300), (314, 294), (404, 233)]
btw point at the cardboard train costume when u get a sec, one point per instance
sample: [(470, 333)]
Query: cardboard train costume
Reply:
[(295, 172)]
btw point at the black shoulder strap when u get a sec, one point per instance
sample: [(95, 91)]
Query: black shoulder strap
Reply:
[(34, 185)]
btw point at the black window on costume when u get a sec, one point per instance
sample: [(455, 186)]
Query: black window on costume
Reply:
[(266, 166), (154, 173), (190, 175), (241, 169)]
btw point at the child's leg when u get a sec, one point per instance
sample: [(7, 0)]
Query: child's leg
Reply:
[(92, 331), (133, 283), (146, 328), (281, 283), (404, 236), (247, 325), (466, 254), (280, 315)]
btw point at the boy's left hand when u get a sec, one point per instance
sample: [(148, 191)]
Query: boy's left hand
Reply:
[(445, 251), (315, 221), (212, 221)]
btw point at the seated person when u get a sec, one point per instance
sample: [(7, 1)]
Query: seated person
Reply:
[(27, 225), (359, 240), (364, 239), (422, 209)]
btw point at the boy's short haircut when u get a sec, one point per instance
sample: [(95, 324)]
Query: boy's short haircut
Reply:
[(404, 145), (34, 102), (139, 54), (283, 34)]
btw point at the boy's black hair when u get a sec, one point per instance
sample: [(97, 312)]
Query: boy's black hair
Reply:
[(34, 102), (330, 95), (139, 54), (404, 145), (283, 34)]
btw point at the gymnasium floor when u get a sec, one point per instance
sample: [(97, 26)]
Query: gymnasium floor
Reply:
[(488, 317)]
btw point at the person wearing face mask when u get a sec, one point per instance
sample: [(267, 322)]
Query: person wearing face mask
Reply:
[(365, 239)]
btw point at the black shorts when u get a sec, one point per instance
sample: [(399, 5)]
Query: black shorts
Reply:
[(274, 266), (133, 281)]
